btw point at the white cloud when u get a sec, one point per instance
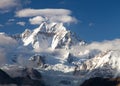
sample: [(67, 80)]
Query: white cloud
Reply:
[(42, 12), (52, 15), (36, 20), (96, 47), (11, 20), (6, 46), (5, 40), (105, 45), (2, 56), (21, 23), (64, 19), (6, 5), (100, 46)]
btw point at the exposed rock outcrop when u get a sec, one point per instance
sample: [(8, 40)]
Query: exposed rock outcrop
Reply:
[(98, 81), (5, 79)]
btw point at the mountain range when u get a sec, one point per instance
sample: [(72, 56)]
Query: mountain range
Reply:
[(62, 58)]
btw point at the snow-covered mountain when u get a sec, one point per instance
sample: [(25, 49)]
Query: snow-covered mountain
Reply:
[(56, 52), (52, 35)]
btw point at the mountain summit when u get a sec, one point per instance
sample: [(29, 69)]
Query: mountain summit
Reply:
[(49, 35)]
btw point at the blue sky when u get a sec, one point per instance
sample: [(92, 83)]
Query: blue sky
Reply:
[(97, 20)]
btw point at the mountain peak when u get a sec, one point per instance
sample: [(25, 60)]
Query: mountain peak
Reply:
[(51, 27), (49, 35)]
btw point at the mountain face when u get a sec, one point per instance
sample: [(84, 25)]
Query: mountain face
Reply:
[(51, 36), (56, 52)]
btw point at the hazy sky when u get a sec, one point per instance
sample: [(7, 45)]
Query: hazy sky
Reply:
[(92, 20)]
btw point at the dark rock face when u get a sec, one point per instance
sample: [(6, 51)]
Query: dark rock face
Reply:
[(65, 82), (20, 81), (98, 81), (5, 79), (40, 60)]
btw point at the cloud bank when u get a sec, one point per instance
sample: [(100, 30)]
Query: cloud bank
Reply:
[(6, 41), (51, 15), (6, 45), (105, 45), (95, 48)]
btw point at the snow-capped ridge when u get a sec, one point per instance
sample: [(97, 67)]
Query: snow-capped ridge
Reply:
[(50, 27), (106, 64), (26, 33)]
